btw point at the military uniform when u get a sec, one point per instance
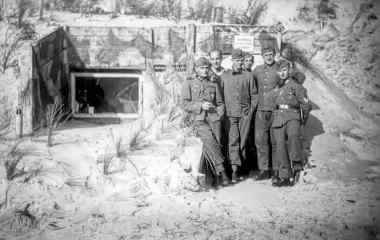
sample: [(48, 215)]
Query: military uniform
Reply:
[(240, 93), (221, 135), (290, 101), (218, 72), (266, 78), (195, 91)]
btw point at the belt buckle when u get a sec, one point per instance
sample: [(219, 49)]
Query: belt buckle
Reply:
[(283, 106)]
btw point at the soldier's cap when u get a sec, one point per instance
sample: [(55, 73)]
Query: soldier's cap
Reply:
[(248, 55), (237, 54), (283, 63), (266, 49), (202, 61), (217, 51)]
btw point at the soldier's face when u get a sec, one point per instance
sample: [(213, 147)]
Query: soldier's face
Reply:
[(283, 73), (202, 71), (215, 59), (268, 58), (237, 64), (248, 62)]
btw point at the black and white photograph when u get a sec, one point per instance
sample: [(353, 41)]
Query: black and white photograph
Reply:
[(189, 120)]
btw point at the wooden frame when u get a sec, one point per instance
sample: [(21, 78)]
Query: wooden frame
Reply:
[(73, 77)]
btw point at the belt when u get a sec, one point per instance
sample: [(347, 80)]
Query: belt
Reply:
[(286, 106)]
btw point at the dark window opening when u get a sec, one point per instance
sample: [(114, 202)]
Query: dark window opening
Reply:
[(95, 95)]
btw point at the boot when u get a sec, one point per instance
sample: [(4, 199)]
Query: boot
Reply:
[(263, 174), (275, 178), (234, 174), (221, 180), (295, 177), (282, 182)]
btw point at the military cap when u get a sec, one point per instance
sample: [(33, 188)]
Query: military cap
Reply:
[(248, 55), (202, 61), (283, 63), (266, 49), (237, 54), (219, 52)]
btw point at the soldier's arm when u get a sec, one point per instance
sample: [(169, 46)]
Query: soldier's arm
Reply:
[(221, 85), (187, 102), (220, 107), (272, 94), (304, 103), (253, 92), (254, 75)]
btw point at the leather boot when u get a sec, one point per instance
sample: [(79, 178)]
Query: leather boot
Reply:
[(263, 175), (234, 174)]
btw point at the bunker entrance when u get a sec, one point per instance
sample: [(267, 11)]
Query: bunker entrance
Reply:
[(106, 95)]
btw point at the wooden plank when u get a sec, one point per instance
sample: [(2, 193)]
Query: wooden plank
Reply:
[(190, 47)]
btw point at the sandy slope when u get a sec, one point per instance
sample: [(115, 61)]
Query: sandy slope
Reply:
[(152, 197), (336, 197)]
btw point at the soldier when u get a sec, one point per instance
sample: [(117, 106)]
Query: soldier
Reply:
[(203, 100), (216, 60), (292, 110), (266, 78), (249, 59), (249, 151), (240, 98), (216, 71), (288, 54)]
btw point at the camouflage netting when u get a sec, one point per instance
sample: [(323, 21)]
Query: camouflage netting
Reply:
[(50, 74)]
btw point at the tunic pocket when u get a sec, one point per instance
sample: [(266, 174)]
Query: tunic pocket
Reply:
[(211, 93)]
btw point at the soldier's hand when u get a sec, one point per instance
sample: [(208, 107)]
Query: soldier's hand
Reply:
[(206, 106)]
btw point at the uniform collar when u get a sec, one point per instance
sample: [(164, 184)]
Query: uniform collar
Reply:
[(201, 79), (236, 73), (270, 66), (288, 81), (217, 70)]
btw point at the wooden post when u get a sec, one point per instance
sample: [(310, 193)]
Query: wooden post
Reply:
[(42, 9), (20, 8), (66, 63), (214, 38), (279, 41), (1, 9), (4, 9), (149, 54), (190, 47)]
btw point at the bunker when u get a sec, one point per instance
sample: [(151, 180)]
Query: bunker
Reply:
[(117, 73)]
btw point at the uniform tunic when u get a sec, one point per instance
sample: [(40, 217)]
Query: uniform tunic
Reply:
[(266, 79), (240, 93), (289, 99), (194, 93)]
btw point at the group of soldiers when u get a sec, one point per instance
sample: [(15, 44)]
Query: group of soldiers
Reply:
[(247, 119)]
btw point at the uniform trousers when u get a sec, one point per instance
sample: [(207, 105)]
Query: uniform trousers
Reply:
[(287, 149)]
